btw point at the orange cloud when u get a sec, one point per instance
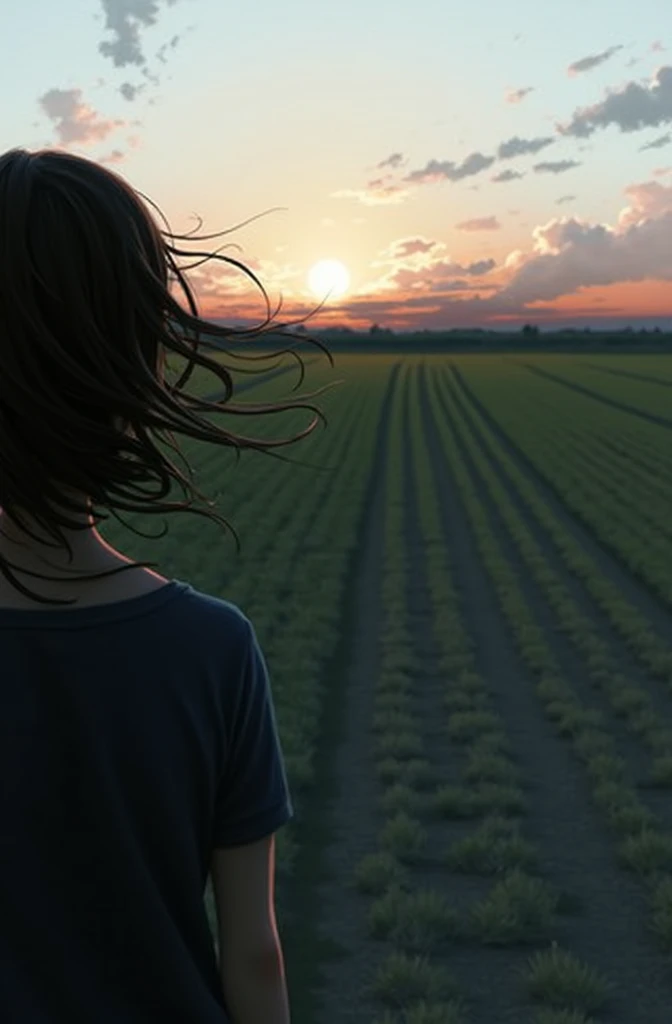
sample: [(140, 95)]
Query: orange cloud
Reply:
[(571, 268)]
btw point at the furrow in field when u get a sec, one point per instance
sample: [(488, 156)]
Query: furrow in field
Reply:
[(635, 393), (613, 402), (631, 375), (348, 796), (467, 749), (552, 812)]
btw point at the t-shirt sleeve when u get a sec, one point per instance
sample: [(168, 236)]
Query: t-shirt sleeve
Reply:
[(253, 798)]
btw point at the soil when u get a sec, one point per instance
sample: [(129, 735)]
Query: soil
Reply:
[(354, 811), (604, 917), (610, 930), (629, 746)]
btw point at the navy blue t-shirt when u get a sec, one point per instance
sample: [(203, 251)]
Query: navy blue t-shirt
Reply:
[(135, 738)]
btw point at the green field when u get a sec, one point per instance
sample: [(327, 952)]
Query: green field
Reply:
[(467, 615)]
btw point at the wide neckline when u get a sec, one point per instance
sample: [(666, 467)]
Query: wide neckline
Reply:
[(53, 617)]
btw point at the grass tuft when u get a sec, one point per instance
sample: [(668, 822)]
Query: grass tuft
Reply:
[(423, 1012), (402, 980), (494, 847), (547, 1016), (403, 744), (416, 921), (647, 852), (518, 909), (464, 726), (559, 979), (377, 872), (404, 837)]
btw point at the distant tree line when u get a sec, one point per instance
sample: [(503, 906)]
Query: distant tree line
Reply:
[(528, 338)]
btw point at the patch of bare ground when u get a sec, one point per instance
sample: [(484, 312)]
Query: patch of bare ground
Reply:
[(607, 930), (350, 795), (629, 746)]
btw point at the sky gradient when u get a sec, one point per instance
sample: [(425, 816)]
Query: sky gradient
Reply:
[(488, 166)]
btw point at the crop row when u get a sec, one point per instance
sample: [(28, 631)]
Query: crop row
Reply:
[(520, 906), (641, 846), (638, 482), (418, 921), (405, 982), (637, 394), (647, 556), (638, 487), (602, 663)]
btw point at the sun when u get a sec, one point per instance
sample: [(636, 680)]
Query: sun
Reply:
[(328, 279)]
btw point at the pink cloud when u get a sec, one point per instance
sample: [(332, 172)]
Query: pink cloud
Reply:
[(570, 254), (648, 200), (74, 120), (479, 224)]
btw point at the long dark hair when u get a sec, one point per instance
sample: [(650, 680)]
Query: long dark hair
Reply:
[(86, 321)]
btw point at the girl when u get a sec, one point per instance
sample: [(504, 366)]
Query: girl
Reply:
[(138, 743)]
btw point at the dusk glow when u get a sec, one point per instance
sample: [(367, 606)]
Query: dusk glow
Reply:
[(492, 169), (328, 277)]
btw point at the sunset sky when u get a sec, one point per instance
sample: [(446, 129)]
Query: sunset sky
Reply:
[(468, 165)]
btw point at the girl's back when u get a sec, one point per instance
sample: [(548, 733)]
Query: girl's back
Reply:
[(138, 743)]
